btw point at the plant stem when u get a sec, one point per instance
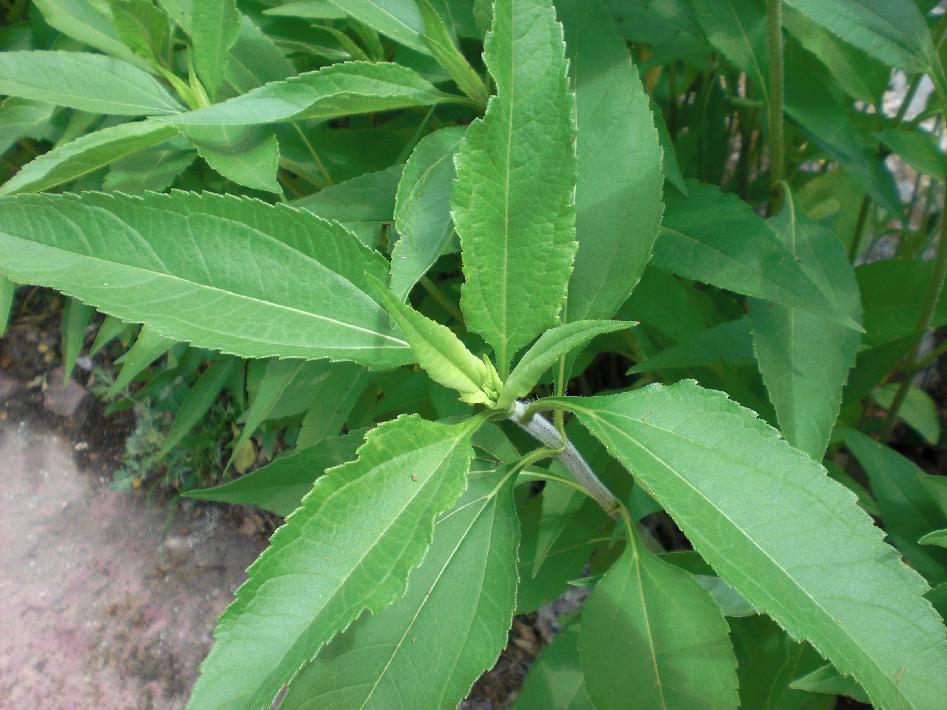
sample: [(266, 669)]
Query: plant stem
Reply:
[(931, 297), (859, 229), (546, 433), (435, 292), (777, 165)]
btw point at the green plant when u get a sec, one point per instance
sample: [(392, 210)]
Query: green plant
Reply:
[(407, 549)]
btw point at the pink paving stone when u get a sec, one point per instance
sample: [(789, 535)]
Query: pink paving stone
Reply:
[(99, 610)]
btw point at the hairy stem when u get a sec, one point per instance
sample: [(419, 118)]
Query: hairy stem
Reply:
[(546, 433), (777, 150)]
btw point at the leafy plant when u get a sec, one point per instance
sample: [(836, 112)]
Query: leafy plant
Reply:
[(393, 260)]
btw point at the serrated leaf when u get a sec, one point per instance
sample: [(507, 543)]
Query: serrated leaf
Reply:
[(75, 320), (367, 198), (226, 273), (89, 82), (805, 358), (280, 485), (555, 680), (651, 632), (715, 237), (332, 402), (255, 59), (148, 347), (815, 563), (728, 344), (311, 582), (546, 351), (246, 155), (917, 410), (399, 20), (908, 508), (826, 680), (619, 179), (441, 353), (85, 22), (214, 30), (72, 160), (441, 45), (405, 656), (143, 26), (198, 402), (331, 92), (151, 170), (512, 199), (422, 208), (22, 117), (890, 30)]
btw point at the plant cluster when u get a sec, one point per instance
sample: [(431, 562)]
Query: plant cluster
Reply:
[(518, 284)]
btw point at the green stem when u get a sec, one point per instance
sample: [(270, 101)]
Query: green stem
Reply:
[(777, 167), (859, 228), (435, 292)]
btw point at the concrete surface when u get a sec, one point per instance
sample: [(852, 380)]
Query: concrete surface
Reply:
[(100, 608)]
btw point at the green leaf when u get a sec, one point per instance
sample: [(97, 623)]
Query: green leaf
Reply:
[(226, 273), (333, 401), (815, 562), (143, 26), (310, 9), (331, 92), (280, 486), (110, 329), (311, 582), (826, 680), (805, 358), (894, 32), (85, 22), (546, 351), (651, 632), (715, 237), (255, 59), (22, 117), (938, 537), (439, 42), (892, 294), (441, 353), (89, 82), (398, 19), (402, 657), (148, 347), (214, 30), (422, 208), (246, 155), (7, 289), (368, 198), (86, 154), (728, 344), (75, 320), (512, 199), (555, 680), (619, 179), (151, 170), (918, 410), (919, 149), (908, 508), (198, 402)]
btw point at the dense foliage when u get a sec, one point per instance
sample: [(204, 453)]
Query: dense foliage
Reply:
[(514, 296)]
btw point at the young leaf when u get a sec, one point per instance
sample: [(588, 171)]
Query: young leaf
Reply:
[(512, 199), (555, 680), (214, 29), (422, 208), (280, 486), (546, 351), (86, 154), (441, 353), (7, 289), (619, 178), (918, 410), (907, 507), (89, 82), (75, 320), (349, 547), (333, 91), (404, 657), (441, 45), (805, 358), (716, 238), (148, 347), (815, 563), (198, 401), (226, 273)]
